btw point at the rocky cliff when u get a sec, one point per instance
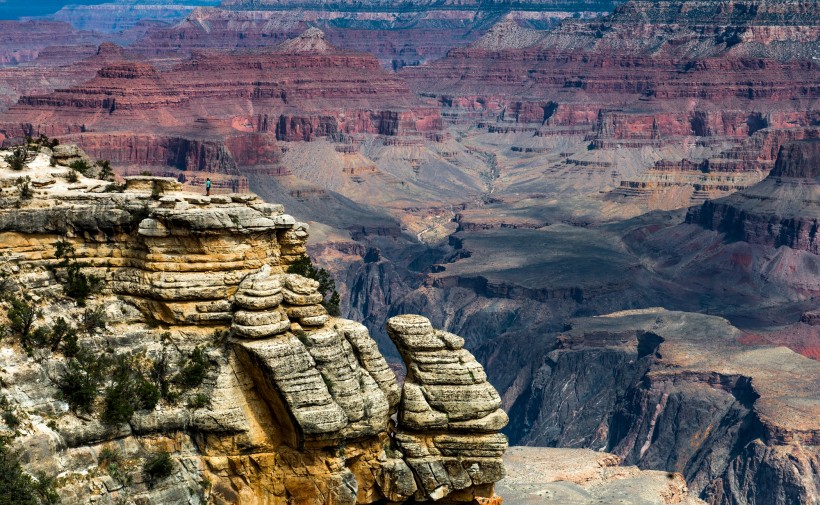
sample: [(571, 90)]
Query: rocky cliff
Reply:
[(293, 405), (399, 34), (737, 421), (217, 111), (780, 210), (678, 80)]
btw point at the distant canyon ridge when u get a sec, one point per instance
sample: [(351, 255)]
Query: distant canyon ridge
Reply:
[(512, 171)]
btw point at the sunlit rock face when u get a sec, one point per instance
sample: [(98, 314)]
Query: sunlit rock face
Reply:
[(297, 407)]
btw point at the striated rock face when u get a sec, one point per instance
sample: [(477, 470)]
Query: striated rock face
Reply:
[(684, 82), (300, 405), (23, 41), (216, 109), (781, 210), (449, 414), (397, 33), (688, 398)]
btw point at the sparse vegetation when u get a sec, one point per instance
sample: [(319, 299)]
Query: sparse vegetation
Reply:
[(9, 417), (157, 467), (111, 460), (20, 157), (198, 401), (83, 375), (22, 314), (106, 173), (24, 188), (129, 391), (44, 141), (327, 286), (93, 320), (78, 285), (193, 369), (80, 166), (19, 488), (72, 176)]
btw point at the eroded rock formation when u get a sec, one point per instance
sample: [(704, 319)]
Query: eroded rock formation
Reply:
[(739, 423), (300, 404)]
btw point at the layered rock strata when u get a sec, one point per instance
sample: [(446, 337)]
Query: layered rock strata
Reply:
[(300, 404), (781, 210), (449, 415), (677, 391)]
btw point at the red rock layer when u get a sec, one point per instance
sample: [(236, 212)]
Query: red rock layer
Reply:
[(249, 98), (22, 41), (782, 210), (650, 71), (55, 67)]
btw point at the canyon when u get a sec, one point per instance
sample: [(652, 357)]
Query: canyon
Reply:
[(539, 178)]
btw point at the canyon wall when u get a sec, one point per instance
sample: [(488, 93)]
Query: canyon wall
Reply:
[(299, 403)]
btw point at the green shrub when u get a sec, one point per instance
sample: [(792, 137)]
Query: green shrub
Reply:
[(157, 467), (93, 320), (20, 156), (22, 315), (61, 332), (44, 141), (80, 166), (38, 339), (11, 420), (81, 379), (110, 460), (193, 369), (78, 285), (72, 176), (160, 372), (105, 170), (327, 286), (199, 401), (71, 345), (129, 391), (24, 188), (19, 488)]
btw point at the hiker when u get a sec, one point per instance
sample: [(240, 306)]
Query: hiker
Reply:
[(208, 186)]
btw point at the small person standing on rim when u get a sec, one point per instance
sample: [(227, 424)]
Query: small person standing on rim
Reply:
[(208, 186)]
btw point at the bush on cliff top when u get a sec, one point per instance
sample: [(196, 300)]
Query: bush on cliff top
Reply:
[(20, 157)]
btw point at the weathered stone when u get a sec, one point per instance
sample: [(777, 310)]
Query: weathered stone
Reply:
[(395, 480), (300, 299), (299, 312)]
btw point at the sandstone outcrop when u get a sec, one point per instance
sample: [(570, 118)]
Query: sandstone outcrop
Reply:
[(449, 414), (300, 405)]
